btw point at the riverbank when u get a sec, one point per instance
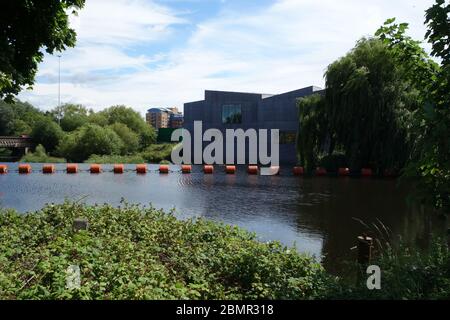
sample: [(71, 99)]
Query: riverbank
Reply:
[(156, 153), (133, 252)]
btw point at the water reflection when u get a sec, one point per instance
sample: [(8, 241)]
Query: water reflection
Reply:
[(315, 214)]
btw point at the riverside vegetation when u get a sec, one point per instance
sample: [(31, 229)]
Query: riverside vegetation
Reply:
[(136, 252), (75, 134)]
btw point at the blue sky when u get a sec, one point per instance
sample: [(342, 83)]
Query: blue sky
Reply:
[(145, 53)]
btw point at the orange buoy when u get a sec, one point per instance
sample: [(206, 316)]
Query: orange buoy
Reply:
[(71, 168), (48, 168), (343, 171), (298, 171), (118, 168), (24, 168), (186, 168), (230, 169), (252, 169), (164, 168), (321, 171), (208, 169), (366, 172), (141, 168), (96, 168), (3, 168)]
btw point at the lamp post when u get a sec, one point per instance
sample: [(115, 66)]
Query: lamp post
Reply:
[(59, 89)]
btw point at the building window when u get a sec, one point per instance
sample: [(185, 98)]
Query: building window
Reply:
[(231, 114), (288, 137)]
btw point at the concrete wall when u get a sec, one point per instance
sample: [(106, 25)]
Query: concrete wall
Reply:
[(258, 112)]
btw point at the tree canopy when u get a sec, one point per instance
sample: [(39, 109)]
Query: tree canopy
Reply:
[(431, 126), (27, 27), (87, 140), (364, 112), (387, 105)]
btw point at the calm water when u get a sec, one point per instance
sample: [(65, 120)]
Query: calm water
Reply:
[(315, 214)]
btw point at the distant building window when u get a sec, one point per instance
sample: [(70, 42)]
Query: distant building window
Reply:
[(231, 114), (288, 137)]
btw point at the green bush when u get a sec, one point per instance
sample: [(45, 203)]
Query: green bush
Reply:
[(115, 159), (48, 133), (406, 274), (136, 252), (90, 139), (40, 156), (156, 153), (129, 138)]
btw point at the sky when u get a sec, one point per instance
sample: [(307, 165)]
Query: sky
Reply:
[(163, 53)]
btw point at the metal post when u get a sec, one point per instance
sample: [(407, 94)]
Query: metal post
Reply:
[(365, 246), (59, 89)]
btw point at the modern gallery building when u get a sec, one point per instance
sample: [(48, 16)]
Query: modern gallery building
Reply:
[(233, 110)]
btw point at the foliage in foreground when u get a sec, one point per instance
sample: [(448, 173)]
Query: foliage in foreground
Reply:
[(406, 274), (142, 253), (30, 28)]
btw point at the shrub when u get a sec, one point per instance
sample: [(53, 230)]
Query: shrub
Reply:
[(156, 153), (40, 156), (90, 139), (48, 133), (129, 138), (406, 274), (115, 159), (135, 252)]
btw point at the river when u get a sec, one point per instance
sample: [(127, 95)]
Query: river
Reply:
[(314, 214)]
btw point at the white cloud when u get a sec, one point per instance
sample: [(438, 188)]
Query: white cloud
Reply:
[(122, 22), (281, 47)]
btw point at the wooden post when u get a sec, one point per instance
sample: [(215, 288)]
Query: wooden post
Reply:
[(365, 246), (80, 224)]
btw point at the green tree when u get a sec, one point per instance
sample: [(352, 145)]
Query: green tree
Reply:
[(71, 116), (27, 27), (6, 119), (365, 112), (90, 139), (18, 118), (129, 138), (431, 125), (98, 118), (48, 133), (20, 127), (312, 130), (133, 120)]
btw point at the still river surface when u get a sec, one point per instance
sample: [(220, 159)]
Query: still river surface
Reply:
[(314, 214)]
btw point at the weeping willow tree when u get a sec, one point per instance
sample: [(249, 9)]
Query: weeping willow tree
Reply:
[(312, 130), (365, 112)]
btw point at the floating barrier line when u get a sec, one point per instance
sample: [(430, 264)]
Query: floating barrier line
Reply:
[(71, 168)]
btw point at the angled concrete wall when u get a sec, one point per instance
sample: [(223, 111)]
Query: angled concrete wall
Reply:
[(258, 112)]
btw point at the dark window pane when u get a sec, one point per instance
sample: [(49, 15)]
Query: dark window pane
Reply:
[(231, 114)]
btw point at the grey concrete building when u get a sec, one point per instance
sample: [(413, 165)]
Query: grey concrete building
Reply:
[(232, 110)]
